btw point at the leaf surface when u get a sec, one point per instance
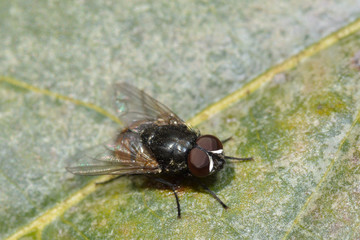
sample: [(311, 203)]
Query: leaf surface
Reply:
[(299, 119)]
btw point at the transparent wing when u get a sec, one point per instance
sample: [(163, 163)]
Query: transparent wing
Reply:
[(135, 107), (127, 156)]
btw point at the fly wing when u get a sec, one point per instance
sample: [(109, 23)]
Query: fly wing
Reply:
[(126, 157), (135, 107)]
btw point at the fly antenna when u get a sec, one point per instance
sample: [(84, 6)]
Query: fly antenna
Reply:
[(240, 159)]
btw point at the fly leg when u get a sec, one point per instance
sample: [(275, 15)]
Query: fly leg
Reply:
[(173, 186), (213, 194)]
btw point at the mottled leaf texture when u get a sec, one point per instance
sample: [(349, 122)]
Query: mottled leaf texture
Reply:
[(268, 73)]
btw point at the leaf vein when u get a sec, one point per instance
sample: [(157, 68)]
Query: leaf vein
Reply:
[(26, 196), (265, 77), (49, 93), (322, 180)]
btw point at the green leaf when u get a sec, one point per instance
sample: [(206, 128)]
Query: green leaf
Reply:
[(299, 119)]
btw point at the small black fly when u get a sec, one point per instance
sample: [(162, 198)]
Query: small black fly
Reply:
[(154, 142)]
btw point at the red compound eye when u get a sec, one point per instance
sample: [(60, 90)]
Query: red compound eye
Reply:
[(209, 142), (199, 163)]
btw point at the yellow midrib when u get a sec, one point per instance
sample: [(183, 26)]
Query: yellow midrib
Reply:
[(270, 73), (42, 221), (47, 217)]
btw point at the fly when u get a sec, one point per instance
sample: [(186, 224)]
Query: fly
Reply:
[(155, 142)]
